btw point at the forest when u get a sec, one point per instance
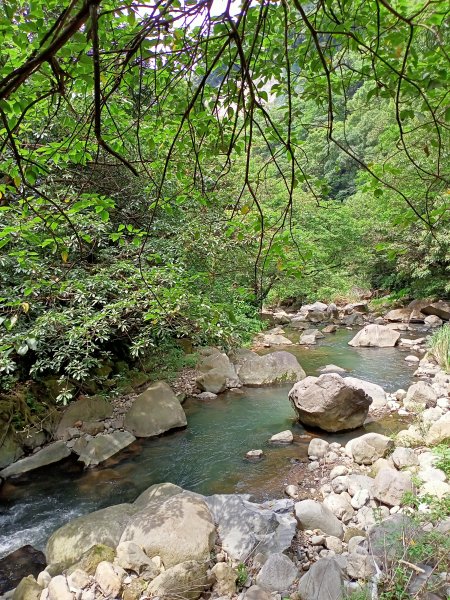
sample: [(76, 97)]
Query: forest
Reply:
[(167, 169)]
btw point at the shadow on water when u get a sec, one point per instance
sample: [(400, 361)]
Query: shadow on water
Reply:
[(207, 457)]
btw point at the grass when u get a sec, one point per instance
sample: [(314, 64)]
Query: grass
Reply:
[(439, 347), (411, 551), (443, 453)]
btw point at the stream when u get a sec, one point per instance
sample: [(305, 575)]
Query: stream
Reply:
[(207, 457)]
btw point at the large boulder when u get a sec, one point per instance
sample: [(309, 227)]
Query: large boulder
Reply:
[(20, 563), (155, 411), (323, 581), (329, 402), (398, 315), (368, 448), (314, 515), (10, 449), (275, 367), (391, 485), (378, 336), (218, 373), (440, 309), (352, 319), (102, 447), (373, 390), (360, 307), (178, 529), (50, 454), (243, 526), (85, 409), (68, 543)]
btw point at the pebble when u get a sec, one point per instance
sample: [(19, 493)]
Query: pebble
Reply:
[(317, 540)]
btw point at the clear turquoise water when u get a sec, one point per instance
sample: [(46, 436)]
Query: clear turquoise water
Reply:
[(207, 457)]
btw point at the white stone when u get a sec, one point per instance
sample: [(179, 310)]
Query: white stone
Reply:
[(338, 471), (107, 579), (284, 437), (318, 448), (440, 489), (360, 499), (58, 589)]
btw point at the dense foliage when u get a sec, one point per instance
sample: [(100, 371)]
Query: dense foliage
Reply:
[(165, 170)]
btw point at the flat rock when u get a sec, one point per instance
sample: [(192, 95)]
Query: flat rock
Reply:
[(155, 411), (378, 336), (398, 315), (242, 525), (332, 369), (52, 453), (102, 447)]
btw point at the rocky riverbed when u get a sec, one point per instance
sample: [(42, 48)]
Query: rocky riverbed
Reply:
[(324, 539)]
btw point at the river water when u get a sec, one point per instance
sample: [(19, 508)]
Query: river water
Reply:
[(207, 457)]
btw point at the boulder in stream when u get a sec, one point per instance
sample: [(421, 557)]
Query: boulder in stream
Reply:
[(155, 411), (20, 563), (218, 373), (50, 454), (275, 367), (378, 336), (329, 402), (102, 447), (440, 308)]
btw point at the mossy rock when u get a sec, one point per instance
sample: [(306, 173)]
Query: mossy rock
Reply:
[(10, 450), (135, 590), (138, 378), (28, 589), (92, 408), (92, 558)]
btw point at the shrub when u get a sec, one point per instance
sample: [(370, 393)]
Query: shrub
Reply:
[(439, 347)]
